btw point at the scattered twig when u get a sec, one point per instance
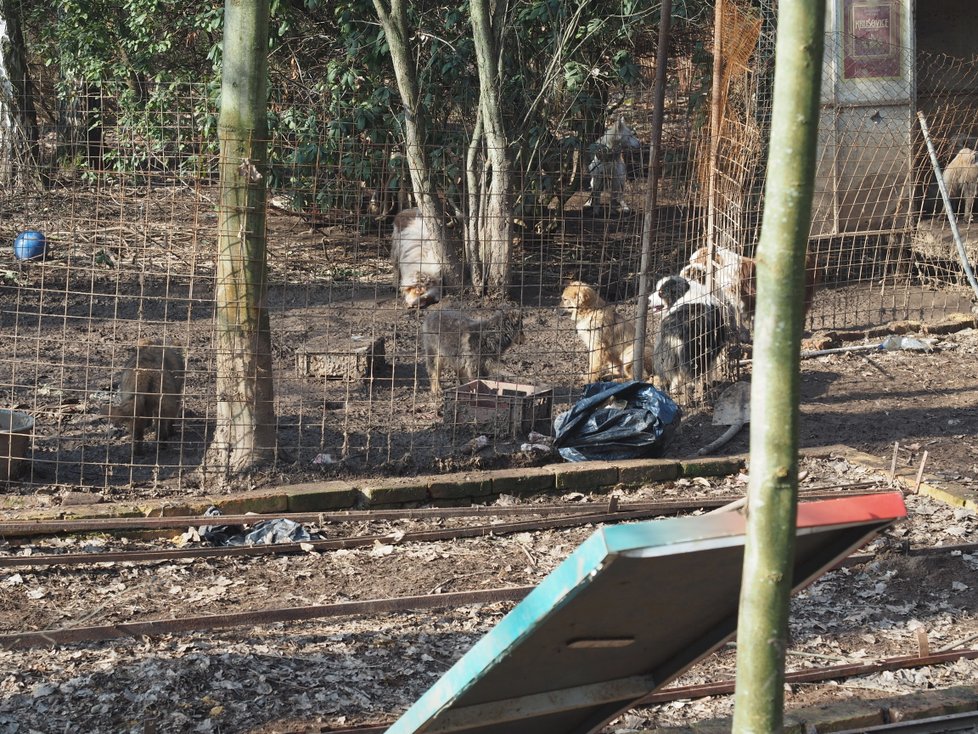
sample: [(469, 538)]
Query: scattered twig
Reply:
[(958, 643), (920, 472), (818, 656), (526, 552), (735, 505), (893, 464), (437, 588)]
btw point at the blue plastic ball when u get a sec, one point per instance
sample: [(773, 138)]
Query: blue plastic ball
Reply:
[(30, 245)]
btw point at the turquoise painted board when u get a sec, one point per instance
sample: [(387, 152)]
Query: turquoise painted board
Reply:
[(629, 610)]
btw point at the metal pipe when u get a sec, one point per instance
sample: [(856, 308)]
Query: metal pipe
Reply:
[(475, 531), (651, 191), (949, 210), (811, 676), (35, 528), (44, 638), (722, 688)]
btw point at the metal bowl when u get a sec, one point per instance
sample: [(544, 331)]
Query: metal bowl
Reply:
[(16, 429)]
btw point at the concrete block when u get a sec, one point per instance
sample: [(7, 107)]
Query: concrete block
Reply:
[(523, 481), (711, 467), (585, 476), (394, 492), (636, 472), (460, 486), (262, 503), (321, 496)]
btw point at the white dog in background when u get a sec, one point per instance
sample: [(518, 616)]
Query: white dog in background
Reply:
[(735, 281), (418, 272), (608, 169)]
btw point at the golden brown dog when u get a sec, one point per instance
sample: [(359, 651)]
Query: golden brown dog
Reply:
[(610, 339)]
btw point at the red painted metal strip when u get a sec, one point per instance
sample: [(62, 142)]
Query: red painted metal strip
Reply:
[(883, 507)]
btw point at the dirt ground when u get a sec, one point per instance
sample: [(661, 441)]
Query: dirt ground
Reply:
[(367, 669), (68, 325), (139, 263)]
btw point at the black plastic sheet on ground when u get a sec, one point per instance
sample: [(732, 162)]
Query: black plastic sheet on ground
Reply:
[(264, 532), (612, 420)]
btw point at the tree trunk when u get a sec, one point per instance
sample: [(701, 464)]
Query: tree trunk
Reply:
[(773, 490), (394, 21), (19, 144), (495, 221), (474, 167), (245, 433)]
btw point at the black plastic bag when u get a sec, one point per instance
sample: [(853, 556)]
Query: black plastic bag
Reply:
[(264, 532), (599, 428)]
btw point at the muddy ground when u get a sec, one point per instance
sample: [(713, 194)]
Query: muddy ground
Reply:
[(128, 267)]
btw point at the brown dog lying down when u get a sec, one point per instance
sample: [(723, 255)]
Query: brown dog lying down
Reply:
[(961, 179), (419, 274), (608, 337), (150, 390), (454, 339)]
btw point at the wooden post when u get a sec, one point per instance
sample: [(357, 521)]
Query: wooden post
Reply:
[(245, 432), (773, 489)]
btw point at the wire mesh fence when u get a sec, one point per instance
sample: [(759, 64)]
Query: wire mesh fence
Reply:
[(125, 295)]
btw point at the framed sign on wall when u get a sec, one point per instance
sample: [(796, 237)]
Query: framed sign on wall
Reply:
[(872, 32)]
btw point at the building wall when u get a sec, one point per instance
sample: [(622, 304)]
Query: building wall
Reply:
[(864, 159)]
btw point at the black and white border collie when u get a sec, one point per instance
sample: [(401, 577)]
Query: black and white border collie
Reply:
[(692, 331)]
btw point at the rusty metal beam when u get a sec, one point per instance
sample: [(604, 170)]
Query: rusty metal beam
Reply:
[(724, 688), (33, 528), (475, 531), (814, 675), (44, 638)]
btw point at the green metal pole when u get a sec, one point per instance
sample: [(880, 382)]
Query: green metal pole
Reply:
[(773, 489)]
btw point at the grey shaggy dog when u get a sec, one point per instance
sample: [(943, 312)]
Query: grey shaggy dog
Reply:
[(454, 339)]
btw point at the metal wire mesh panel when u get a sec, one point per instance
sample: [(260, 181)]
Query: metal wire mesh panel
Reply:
[(877, 253), (121, 310)]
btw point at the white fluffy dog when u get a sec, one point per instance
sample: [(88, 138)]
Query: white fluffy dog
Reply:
[(418, 272), (607, 169)]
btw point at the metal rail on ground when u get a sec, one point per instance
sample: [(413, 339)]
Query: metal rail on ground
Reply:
[(33, 528)]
